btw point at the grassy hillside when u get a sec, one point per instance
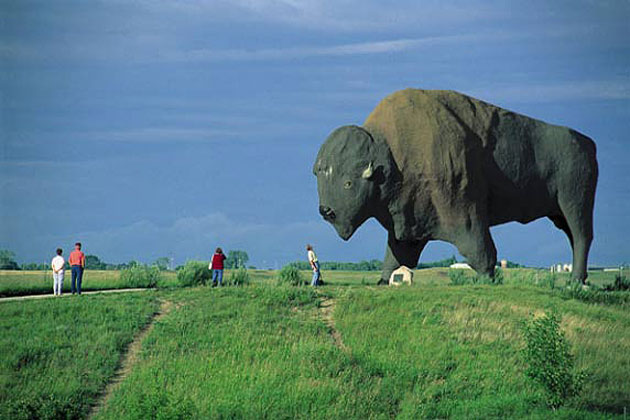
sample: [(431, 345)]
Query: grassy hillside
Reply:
[(346, 350), (436, 351), (455, 351)]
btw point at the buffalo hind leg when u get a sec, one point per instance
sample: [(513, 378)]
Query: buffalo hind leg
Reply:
[(579, 219), (400, 253)]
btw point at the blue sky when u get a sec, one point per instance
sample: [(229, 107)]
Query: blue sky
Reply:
[(166, 128)]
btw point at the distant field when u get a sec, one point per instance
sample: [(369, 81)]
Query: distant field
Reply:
[(439, 276), (17, 283)]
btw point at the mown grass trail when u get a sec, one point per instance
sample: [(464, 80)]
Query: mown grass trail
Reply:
[(326, 309), (129, 357), (256, 352)]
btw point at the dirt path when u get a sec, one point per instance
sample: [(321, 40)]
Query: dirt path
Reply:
[(129, 358), (326, 310), (65, 295)]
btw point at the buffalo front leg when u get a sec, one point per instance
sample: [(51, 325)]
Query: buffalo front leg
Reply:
[(399, 253), (477, 246)]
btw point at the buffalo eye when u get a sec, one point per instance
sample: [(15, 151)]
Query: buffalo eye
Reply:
[(347, 185)]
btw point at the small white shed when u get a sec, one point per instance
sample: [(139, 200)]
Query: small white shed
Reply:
[(460, 266), (401, 275)]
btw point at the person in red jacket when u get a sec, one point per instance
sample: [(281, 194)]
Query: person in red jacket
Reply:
[(217, 267), (77, 264)]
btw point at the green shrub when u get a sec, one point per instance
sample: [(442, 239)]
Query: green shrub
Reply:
[(485, 279), (194, 273), (141, 276), (458, 277), (621, 284), (534, 278), (498, 277), (290, 276), (549, 359), (239, 277), (548, 280), (593, 295)]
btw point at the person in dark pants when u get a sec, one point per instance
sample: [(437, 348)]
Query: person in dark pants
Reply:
[(314, 262), (77, 264), (217, 267)]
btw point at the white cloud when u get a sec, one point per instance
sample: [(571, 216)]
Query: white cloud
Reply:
[(337, 15), (161, 135), (361, 48)]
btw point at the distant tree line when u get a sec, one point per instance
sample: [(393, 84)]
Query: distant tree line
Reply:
[(510, 264), (377, 265), (371, 265), (235, 259), (92, 262), (446, 262), (7, 260)]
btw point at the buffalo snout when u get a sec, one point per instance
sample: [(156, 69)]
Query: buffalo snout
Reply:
[(327, 213)]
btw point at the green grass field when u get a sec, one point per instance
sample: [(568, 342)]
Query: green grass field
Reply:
[(432, 350), (58, 354)]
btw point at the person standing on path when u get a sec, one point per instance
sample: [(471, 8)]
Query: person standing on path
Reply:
[(314, 262), (58, 268), (217, 267), (77, 264)]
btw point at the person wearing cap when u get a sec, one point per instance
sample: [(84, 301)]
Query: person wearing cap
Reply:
[(314, 262), (77, 265)]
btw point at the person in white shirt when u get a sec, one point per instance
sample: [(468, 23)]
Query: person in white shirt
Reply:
[(312, 260), (58, 268)]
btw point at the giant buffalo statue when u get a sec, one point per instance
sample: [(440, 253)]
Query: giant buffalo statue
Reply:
[(433, 164)]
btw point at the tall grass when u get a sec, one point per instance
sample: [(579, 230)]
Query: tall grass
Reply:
[(141, 276), (291, 276), (461, 277), (194, 273), (239, 277)]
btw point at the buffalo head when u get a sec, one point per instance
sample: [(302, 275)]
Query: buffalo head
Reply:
[(350, 169)]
